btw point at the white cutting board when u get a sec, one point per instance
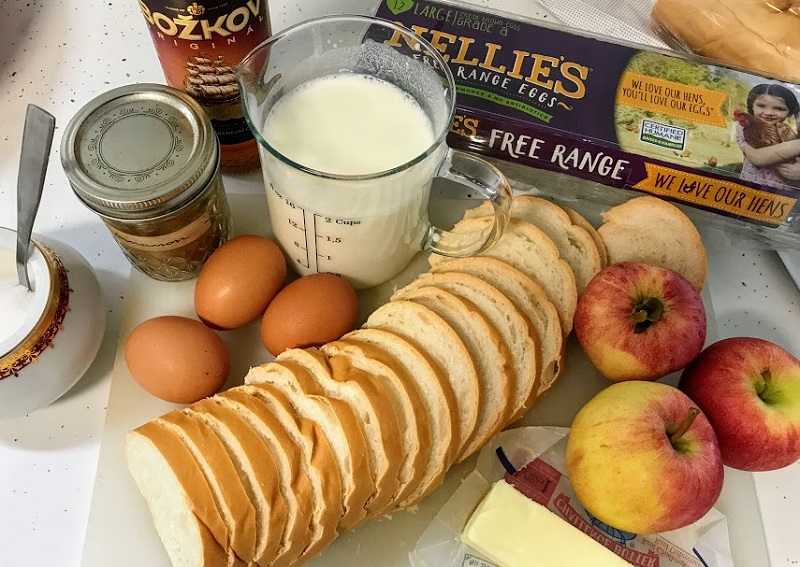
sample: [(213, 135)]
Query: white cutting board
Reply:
[(121, 534)]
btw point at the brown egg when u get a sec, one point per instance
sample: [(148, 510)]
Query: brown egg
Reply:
[(177, 359), (238, 281), (310, 311)]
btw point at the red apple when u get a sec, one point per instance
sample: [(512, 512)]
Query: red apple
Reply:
[(643, 459), (750, 390), (640, 322)]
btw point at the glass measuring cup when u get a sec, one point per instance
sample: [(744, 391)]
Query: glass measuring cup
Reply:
[(363, 227)]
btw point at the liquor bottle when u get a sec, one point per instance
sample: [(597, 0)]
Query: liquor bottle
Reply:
[(199, 46)]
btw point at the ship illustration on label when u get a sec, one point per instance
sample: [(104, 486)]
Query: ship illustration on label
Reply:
[(211, 80)]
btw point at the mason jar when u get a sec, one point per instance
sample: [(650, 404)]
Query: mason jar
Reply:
[(145, 159)]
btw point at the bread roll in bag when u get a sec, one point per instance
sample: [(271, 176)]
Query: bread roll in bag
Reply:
[(763, 35)]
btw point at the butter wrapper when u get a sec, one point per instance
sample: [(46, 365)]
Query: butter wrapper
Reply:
[(537, 455)]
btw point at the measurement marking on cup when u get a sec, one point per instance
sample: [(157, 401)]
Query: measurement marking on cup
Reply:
[(294, 224), (319, 237), (297, 244), (305, 231)]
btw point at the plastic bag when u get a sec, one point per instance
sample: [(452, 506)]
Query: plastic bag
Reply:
[(763, 35), (621, 19), (538, 455)]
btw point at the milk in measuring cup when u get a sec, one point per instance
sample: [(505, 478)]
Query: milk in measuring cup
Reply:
[(349, 124)]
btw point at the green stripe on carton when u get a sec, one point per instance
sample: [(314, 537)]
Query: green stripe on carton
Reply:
[(505, 101)]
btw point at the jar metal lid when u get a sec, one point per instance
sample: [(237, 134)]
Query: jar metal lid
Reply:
[(139, 150)]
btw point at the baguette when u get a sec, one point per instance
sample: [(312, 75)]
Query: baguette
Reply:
[(341, 426), (529, 250), (574, 244), (293, 480), (531, 300), (407, 403), (652, 231), (578, 220), (376, 415), (754, 34), (431, 334), (257, 473), (183, 509), (487, 348), (438, 398), (317, 460), (521, 339), (220, 472)]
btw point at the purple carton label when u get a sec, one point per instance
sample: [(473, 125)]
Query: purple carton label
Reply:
[(628, 118)]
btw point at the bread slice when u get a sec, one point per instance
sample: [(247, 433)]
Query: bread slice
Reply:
[(374, 410), (340, 425), (579, 220), (529, 250), (516, 332), (293, 481), (574, 244), (486, 346), (317, 461), (652, 231), (183, 509), (220, 472), (257, 473), (438, 399), (406, 400), (530, 299), (431, 334)]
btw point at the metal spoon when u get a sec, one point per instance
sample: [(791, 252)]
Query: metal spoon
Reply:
[(37, 138)]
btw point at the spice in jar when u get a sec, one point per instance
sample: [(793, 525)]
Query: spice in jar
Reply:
[(199, 46), (146, 160)]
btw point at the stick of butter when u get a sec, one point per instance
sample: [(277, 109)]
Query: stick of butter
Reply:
[(511, 530)]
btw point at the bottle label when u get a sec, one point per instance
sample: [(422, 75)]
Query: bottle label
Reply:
[(199, 46)]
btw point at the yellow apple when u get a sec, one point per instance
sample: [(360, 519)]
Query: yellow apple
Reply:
[(643, 459)]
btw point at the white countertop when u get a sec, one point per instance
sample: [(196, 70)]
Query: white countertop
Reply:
[(59, 55)]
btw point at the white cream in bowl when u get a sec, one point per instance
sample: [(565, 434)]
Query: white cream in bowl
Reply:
[(49, 335), (20, 308)]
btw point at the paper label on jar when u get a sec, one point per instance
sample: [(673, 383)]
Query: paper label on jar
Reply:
[(165, 242)]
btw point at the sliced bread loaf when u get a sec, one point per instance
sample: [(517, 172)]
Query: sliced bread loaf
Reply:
[(652, 231), (405, 399), (340, 425), (529, 250), (257, 473), (180, 501), (431, 334), (517, 333), (575, 245), (374, 410), (487, 347), (530, 299), (293, 481), (220, 472), (317, 461), (438, 399), (579, 220)]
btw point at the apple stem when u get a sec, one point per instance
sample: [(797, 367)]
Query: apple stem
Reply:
[(762, 381), (684, 425), (646, 313)]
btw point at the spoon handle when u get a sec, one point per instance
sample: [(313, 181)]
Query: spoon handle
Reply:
[(37, 138)]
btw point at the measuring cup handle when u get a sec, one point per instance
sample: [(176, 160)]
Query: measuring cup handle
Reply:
[(475, 175)]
